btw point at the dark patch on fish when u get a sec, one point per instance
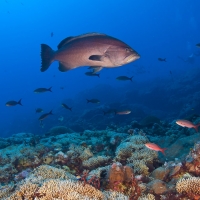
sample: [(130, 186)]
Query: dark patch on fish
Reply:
[(93, 49)]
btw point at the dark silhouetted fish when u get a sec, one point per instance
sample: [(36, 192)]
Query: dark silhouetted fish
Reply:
[(93, 101), (41, 90), (13, 103), (124, 78), (92, 49), (45, 115), (52, 34), (66, 106), (38, 110), (162, 59), (92, 74), (198, 45)]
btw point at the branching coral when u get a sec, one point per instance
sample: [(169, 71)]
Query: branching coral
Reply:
[(48, 172), (190, 186), (49, 183)]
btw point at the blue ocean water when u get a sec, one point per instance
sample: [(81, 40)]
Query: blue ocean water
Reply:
[(166, 29)]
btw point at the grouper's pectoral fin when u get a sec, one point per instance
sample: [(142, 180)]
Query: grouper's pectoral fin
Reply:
[(63, 67), (96, 69), (96, 57)]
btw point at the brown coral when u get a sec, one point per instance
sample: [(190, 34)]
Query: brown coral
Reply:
[(121, 179), (190, 186)]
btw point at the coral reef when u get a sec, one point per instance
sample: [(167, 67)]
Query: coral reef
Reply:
[(108, 164)]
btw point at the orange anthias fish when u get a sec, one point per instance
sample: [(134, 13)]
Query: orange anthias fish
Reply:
[(155, 147), (188, 124)]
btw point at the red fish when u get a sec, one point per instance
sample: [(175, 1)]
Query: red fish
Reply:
[(155, 147), (188, 124)]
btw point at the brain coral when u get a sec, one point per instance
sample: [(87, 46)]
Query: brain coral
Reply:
[(190, 186)]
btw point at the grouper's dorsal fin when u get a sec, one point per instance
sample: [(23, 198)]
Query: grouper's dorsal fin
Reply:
[(65, 41), (69, 39)]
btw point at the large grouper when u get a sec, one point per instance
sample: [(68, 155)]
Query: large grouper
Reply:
[(93, 49)]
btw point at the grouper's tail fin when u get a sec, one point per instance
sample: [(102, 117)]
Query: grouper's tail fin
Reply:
[(46, 56)]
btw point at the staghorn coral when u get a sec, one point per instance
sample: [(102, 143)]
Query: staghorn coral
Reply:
[(49, 183), (48, 172), (56, 189), (190, 186), (66, 190), (96, 162)]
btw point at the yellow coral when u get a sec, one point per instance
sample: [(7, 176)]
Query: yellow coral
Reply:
[(191, 186), (66, 189)]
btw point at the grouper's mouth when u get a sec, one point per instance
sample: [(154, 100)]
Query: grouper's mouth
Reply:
[(132, 57)]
